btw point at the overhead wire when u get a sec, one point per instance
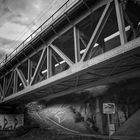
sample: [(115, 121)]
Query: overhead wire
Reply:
[(29, 27)]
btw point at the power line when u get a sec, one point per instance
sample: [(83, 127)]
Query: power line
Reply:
[(29, 27)]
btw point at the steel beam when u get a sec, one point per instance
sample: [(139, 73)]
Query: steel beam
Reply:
[(4, 85), (98, 30), (62, 55), (22, 77), (30, 65), (15, 82), (121, 24), (102, 45), (10, 82), (76, 44), (49, 62), (83, 41), (39, 65), (1, 92)]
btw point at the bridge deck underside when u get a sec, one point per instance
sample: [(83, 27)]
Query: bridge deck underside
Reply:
[(118, 68), (91, 44)]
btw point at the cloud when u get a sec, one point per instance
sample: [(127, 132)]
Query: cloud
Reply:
[(24, 11), (14, 31), (27, 12), (19, 18), (6, 46), (4, 12), (16, 11), (4, 41)]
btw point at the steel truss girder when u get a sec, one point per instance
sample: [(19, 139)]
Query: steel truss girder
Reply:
[(94, 8), (80, 68), (80, 65)]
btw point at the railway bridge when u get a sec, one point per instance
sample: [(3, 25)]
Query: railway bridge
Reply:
[(85, 43)]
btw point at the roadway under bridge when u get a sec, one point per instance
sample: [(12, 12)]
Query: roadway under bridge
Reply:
[(85, 44)]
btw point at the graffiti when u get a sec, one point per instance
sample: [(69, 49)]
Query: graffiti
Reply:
[(2, 123), (11, 122), (60, 116)]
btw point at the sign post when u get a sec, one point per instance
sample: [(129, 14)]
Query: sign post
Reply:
[(109, 108)]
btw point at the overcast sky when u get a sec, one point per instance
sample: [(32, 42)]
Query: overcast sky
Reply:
[(18, 18)]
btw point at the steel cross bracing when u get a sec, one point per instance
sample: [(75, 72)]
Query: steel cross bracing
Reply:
[(91, 44)]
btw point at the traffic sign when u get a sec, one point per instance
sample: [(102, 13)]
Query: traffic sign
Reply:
[(108, 108)]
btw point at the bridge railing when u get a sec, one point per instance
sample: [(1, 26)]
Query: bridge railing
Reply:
[(46, 23)]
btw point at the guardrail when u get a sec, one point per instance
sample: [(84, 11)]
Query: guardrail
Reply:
[(46, 23)]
